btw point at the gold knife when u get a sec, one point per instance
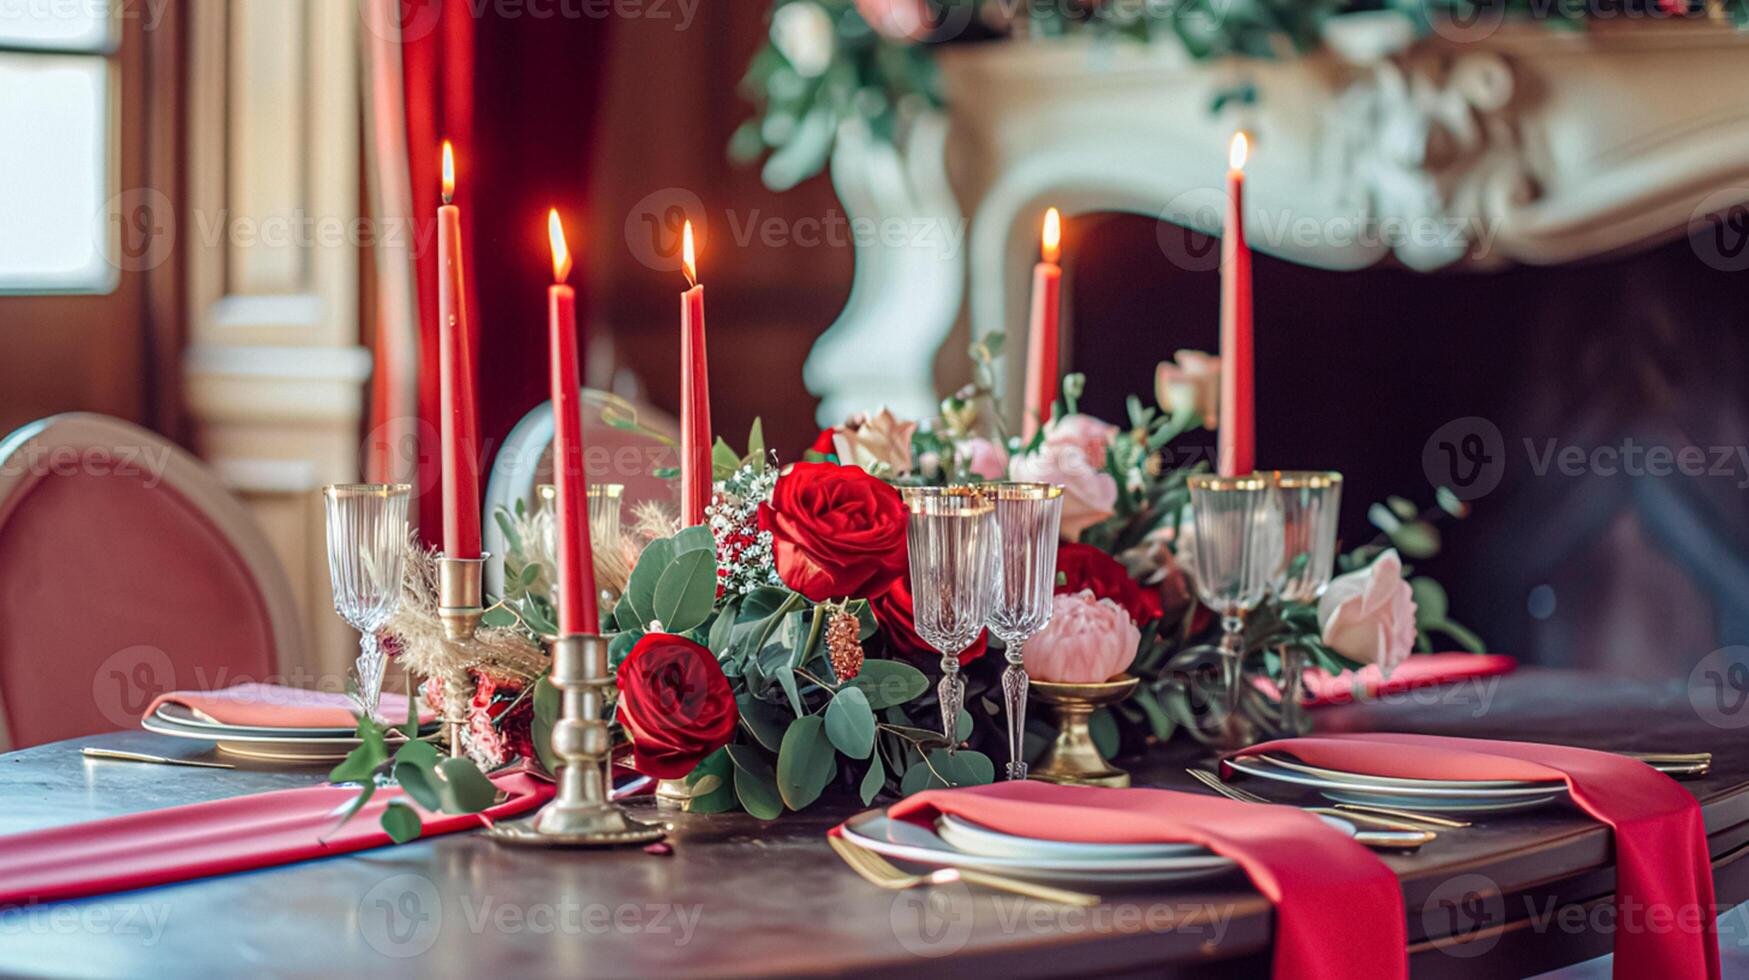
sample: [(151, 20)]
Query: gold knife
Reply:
[(119, 756)]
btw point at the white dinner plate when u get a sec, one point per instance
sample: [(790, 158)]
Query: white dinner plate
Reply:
[(916, 844), (277, 749), (1410, 782), (182, 714), (1355, 788), (975, 838)]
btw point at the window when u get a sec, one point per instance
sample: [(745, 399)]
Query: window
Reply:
[(58, 79)]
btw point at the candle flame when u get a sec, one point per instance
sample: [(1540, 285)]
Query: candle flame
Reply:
[(1239, 151), (688, 254), (448, 172), (561, 252), (1053, 236)]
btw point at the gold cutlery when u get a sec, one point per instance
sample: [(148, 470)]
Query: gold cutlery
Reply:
[(1409, 815), (878, 871), (1391, 833), (117, 755)]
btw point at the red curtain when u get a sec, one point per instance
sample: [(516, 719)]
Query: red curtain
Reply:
[(517, 93)]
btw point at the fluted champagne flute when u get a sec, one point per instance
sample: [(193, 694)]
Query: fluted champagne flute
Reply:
[(1310, 502), (1238, 553), (1028, 516), (367, 543), (952, 543)]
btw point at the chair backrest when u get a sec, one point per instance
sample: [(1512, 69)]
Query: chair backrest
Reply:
[(612, 454), (126, 570)]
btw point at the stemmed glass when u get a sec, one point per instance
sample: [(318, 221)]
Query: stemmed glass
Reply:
[(1238, 553), (952, 543), (367, 542), (1310, 503), (1027, 519)]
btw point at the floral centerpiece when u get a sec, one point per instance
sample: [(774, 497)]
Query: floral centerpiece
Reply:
[(771, 655)]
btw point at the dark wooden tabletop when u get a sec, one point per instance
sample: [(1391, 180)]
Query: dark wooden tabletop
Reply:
[(742, 898)]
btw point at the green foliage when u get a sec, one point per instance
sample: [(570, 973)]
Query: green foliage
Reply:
[(433, 782)]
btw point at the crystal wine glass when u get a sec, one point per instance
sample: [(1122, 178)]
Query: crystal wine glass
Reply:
[(952, 543), (1309, 502), (367, 542), (1238, 554), (1027, 519)]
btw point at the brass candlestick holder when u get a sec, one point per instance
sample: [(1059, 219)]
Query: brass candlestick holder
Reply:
[(581, 814), (1073, 758), (461, 592)]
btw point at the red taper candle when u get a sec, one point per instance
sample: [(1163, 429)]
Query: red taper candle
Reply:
[(576, 586), (458, 426), (695, 395), (1238, 433), (1042, 337)]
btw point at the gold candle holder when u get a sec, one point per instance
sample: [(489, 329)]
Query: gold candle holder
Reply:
[(581, 813), (461, 595), (1073, 758)]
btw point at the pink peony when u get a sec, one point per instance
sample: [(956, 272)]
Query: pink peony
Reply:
[(985, 457), (1083, 432), (1368, 615), (1088, 640), (1089, 493), (879, 443), (1191, 380)]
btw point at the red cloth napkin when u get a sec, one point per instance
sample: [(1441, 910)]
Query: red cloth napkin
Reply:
[(219, 837), (1338, 909), (1420, 670), (274, 706), (1661, 856)]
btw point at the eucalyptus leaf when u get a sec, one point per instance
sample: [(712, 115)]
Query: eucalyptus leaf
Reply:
[(686, 591), (765, 721), (695, 538), (641, 586), (420, 783), (755, 783), (546, 712), (499, 617), (467, 790), (889, 682), (724, 461), (712, 782), (401, 821), (805, 762), (1103, 727), (756, 443), (850, 723), (873, 780), (963, 768), (1431, 605)]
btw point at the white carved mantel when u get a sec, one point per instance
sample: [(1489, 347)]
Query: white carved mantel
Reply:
[(1528, 146)]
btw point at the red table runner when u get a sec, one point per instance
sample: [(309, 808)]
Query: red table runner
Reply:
[(220, 837), (1338, 909), (1666, 921)]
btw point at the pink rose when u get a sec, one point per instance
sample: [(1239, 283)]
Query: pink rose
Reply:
[(1191, 380), (898, 20), (1083, 432), (1089, 493), (1087, 640), (1368, 615), (879, 443), (982, 456)]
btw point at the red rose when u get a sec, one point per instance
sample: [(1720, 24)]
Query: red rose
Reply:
[(896, 618), (1085, 567), (837, 533), (675, 704)]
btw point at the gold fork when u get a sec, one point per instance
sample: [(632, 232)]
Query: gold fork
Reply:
[(1397, 834), (878, 871)]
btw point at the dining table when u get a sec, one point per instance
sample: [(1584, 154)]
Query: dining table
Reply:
[(729, 895)]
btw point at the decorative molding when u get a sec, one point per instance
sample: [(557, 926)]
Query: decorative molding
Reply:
[(1528, 146), (274, 374)]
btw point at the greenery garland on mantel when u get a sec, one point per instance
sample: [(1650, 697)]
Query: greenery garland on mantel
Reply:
[(826, 63)]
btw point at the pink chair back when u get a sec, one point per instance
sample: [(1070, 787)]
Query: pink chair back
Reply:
[(126, 570)]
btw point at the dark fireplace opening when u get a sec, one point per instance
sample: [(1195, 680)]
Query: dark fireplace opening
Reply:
[(1607, 399)]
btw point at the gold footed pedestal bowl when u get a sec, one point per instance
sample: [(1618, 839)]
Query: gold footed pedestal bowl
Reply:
[(1073, 758)]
